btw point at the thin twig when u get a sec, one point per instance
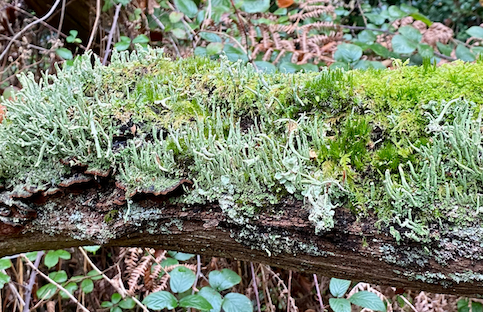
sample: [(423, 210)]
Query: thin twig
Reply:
[(160, 24), (289, 290), (33, 275), (111, 33), (96, 24), (255, 287), (20, 33), (61, 21), (316, 282), (30, 264)]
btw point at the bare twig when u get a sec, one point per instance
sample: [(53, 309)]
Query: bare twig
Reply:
[(20, 33), (111, 33), (319, 296), (255, 287), (61, 21), (96, 24), (33, 275)]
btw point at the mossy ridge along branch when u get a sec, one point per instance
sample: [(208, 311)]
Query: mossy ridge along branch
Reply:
[(244, 139)]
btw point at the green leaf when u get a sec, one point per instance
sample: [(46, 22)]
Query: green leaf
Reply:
[(5, 263), (213, 297), (195, 301), (181, 279), (141, 39), (123, 2), (408, 9), (425, 50), (32, 256), (224, 279), (464, 54), (115, 309), (214, 48), (445, 49), (475, 31), (476, 307), (47, 291), (200, 51), (181, 256), (340, 304), (234, 302), (125, 39), (420, 17), (94, 275), (341, 65), (288, 67), (58, 277), (266, 67), (309, 67), (122, 45), (64, 53), (364, 64), (395, 12), (92, 249), (127, 303), (87, 286), (188, 7), (255, 6), (70, 287), (179, 33), (280, 11), (210, 37), (338, 287), (161, 300), (376, 18), (175, 17), (116, 297), (379, 50), (477, 51), (347, 53), (367, 36), (411, 33), (403, 45), (234, 54), (4, 279), (106, 304), (366, 299)]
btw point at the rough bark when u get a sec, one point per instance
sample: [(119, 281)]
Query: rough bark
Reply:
[(75, 216)]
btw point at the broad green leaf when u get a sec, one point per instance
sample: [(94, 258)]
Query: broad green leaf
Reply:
[(477, 50), (282, 11), (161, 300), (475, 31), (188, 7), (338, 287), (224, 279), (364, 64), (214, 48), (70, 287), (175, 17), (376, 18), (266, 67), (92, 249), (464, 54), (476, 307), (234, 54), (347, 53), (87, 286), (408, 9), (64, 53), (181, 279), (58, 277), (309, 67), (106, 304), (116, 297), (32, 256), (179, 33), (94, 275), (288, 67), (122, 45), (379, 50), (341, 65), (213, 297), (396, 12), (46, 291), (445, 49), (420, 17), (403, 45), (5, 263), (142, 38), (411, 33), (181, 256), (425, 50), (211, 37), (200, 51), (115, 309), (169, 262), (4, 279), (463, 305), (366, 299), (367, 36), (234, 302), (195, 301), (127, 303), (255, 6), (340, 305), (125, 39)]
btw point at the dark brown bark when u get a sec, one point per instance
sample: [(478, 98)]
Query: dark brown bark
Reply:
[(354, 250)]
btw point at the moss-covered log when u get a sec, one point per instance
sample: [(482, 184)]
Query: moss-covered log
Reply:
[(373, 175)]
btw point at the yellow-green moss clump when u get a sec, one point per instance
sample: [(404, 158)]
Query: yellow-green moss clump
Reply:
[(403, 143)]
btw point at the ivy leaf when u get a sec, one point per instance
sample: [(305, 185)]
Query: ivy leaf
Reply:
[(464, 54), (181, 279), (338, 287), (64, 53), (213, 297), (234, 302), (224, 279), (255, 6), (340, 304), (161, 300), (475, 31), (347, 53), (368, 300), (188, 7), (411, 33), (195, 301), (403, 45)]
